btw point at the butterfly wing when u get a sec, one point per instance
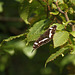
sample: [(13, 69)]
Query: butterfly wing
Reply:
[(45, 38)]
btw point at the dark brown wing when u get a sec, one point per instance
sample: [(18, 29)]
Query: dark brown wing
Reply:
[(45, 38)]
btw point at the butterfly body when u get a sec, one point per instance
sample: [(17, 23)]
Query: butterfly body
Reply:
[(45, 38)]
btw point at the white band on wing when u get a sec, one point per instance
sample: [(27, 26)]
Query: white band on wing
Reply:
[(43, 40), (36, 43), (50, 34)]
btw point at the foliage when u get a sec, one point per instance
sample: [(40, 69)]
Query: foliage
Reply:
[(38, 16)]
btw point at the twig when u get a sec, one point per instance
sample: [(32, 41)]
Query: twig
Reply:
[(58, 20), (65, 13), (66, 16), (48, 7), (56, 3), (73, 28)]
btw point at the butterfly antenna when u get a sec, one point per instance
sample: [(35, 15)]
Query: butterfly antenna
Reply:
[(32, 50)]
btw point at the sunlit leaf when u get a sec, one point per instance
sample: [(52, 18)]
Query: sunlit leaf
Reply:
[(72, 33), (28, 51), (71, 11), (54, 13), (36, 30), (10, 51), (54, 6), (73, 50), (1, 6), (24, 11), (70, 21), (60, 38)]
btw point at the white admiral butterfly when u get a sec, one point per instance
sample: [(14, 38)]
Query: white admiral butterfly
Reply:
[(45, 38)]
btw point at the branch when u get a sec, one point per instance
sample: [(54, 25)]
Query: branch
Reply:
[(73, 28), (48, 7), (56, 3), (65, 13), (66, 16)]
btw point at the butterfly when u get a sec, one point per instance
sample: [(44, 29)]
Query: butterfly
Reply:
[(45, 38)]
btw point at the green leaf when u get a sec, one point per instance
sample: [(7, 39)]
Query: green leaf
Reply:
[(10, 48), (20, 45), (1, 6), (2, 67), (53, 56), (54, 6), (24, 11), (28, 51), (29, 9), (10, 51), (71, 11), (63, 6), (3, 60), (66, 1), (11, 38), (72, 33), (73, 51), (68, 59), (30, 1), (70, 21), (37, 9), (36, 30), (73, 1), (62, 17), (50, 2), (54, 13), (60, 38), (60, 1)]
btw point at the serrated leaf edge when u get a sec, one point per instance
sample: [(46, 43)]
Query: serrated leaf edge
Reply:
[(11, 38), (55, 56)]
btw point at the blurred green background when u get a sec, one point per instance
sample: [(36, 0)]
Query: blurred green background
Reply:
[(14, 60)]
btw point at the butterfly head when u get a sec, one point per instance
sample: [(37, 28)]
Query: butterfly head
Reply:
[(53, 28)]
